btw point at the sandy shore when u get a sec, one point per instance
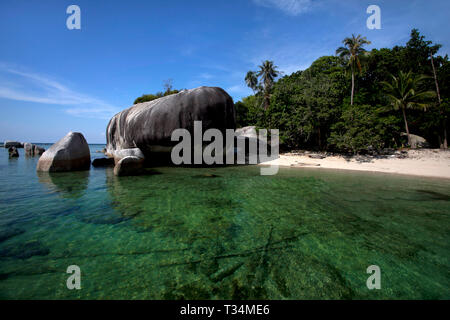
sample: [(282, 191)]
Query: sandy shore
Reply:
[(427, 163)]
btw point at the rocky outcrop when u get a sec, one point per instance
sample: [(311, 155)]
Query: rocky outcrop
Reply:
[(32, 150), (149, 125), (71, 153), (13, 152), (16, 144), (129, 166)]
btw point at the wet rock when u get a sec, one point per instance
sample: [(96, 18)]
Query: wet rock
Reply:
[(71, 153), (129, 166), (103, 162), (38, 151), (123, 153), (13, 152), (29, 150)]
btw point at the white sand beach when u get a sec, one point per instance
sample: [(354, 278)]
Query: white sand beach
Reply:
[(426, 162)]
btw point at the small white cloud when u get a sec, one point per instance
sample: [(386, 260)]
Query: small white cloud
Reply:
[(291, 7)]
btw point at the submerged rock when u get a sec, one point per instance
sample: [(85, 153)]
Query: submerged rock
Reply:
[(103, 162), (129, 166), (149, 125), (13, 152), (71, 153)]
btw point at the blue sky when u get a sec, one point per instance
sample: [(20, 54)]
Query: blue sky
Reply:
[(53, 80)]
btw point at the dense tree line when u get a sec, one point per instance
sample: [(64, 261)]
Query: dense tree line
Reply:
[(356, 101)]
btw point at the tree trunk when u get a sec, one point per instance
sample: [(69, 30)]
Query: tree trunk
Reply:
[(353, 86), (443, 145), (406, 126)]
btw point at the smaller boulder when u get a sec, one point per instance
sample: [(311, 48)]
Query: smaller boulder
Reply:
[(38, 151), (13, 152), (103, 162), (71, 153), (416, 141), (29, 150), (129, 166)]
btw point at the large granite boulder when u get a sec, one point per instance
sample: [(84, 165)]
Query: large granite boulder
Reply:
[(149, 125), (71, 153)]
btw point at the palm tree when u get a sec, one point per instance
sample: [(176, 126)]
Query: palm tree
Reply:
[(268, 72), (404, 92), (251, 80), (352, 52)]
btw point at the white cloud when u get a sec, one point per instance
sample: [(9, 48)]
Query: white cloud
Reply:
[(291, 7), (31, 87)]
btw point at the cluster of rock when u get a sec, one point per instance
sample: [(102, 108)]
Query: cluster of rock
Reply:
[(30, 149), (143, 132)]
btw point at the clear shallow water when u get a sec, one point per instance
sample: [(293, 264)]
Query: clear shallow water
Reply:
[(222, 233)]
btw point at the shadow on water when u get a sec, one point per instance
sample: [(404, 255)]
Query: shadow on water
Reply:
[(67, 184)]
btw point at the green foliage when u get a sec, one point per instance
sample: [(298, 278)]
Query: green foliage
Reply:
[(312, 108), (363, 129), (150, 97)]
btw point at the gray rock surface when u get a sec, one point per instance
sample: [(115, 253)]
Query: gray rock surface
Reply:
[(129, 166), (38, 151), (71, 153), (29, 150), (416, 141), (149, 125)]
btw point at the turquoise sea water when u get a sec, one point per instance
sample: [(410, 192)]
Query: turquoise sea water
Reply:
[(221, 233)]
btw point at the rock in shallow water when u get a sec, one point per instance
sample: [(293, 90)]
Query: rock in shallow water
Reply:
[(13, 152), (103, 162), (71, 153), (129, 166)]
